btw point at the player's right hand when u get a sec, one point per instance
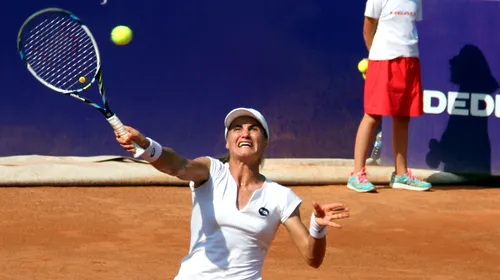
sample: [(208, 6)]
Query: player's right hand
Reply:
[(132, 136)]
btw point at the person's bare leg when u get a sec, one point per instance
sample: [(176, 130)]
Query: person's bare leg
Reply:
[(403, 178), (364, 138), (400, 143)]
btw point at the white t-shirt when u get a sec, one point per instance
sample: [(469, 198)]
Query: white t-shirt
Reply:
[(227, 243), (396, 34)]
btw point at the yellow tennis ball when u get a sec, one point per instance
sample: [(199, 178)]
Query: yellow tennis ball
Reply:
[(121, 35), (363, 65), (82, 80)]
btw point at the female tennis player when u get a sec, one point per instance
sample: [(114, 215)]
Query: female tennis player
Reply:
[(393, 87), (236, 211)]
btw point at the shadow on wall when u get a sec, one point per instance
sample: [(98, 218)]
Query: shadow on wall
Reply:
[(465, 144)]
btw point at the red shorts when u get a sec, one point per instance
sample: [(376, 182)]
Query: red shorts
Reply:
[(394, 87)]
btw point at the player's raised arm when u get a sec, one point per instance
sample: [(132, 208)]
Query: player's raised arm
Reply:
[(312, 242), (165, 159)]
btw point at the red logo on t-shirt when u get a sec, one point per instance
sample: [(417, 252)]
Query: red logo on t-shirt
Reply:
[(403, 13)]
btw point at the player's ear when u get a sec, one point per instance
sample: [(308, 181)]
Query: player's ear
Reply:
[(265, 142), (227, 145)]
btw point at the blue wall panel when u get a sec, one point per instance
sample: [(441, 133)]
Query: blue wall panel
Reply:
[(460, 131), (190, 62)]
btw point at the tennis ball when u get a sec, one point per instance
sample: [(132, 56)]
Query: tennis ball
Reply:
[(82, 80), (363, 65), (121, 35)]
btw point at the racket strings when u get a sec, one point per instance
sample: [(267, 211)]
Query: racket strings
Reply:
[(60, 46), (53, 58), (41, 37), (60, 51), (59, 54)]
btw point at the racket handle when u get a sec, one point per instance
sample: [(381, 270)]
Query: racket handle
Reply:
[(117, 125)]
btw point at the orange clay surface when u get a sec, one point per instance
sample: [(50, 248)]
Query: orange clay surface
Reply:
[(50, 233)]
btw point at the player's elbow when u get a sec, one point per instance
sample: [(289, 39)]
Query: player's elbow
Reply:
[(315, 252), (314, 262), (368, 35)]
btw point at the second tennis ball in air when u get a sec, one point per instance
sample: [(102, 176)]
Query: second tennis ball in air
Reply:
[(121, 35)]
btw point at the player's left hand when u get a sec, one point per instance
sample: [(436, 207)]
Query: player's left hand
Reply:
[(326, 214)]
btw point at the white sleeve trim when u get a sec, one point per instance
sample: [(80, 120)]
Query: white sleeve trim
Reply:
[(214, 172), (373, 9), (286, 215), (419, 12), (291, 203)]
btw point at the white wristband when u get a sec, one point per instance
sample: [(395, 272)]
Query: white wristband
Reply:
[(153, 152), (316, 230)]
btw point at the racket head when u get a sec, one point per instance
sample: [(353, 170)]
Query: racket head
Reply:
[(59, 50)]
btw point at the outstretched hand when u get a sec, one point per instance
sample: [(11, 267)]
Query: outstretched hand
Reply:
[(326, 214), (133, 135)]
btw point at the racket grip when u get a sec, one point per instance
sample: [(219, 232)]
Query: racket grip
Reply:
[(117, 125)]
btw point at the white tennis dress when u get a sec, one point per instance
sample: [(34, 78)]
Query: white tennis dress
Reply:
[(227, 243)]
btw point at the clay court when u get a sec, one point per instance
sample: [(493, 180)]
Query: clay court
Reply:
[(142, 233)]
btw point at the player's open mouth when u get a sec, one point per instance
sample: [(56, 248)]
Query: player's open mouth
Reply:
[(244, 144)]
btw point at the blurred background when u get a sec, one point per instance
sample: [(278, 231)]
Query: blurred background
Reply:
[(191, 62)]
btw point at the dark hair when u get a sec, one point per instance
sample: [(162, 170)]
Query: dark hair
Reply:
[(224, 159)]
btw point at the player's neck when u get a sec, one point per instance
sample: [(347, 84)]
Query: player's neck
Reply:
[(245, 175)]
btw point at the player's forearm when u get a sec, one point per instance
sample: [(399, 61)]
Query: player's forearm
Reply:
[(369, 29), (316, 251), (316, 242), (170, 162), (164, 159)]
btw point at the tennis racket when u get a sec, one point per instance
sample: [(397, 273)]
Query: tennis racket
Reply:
[(59, 51)]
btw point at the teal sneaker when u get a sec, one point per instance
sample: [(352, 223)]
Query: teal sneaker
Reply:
[(359, 183), (409, 182)]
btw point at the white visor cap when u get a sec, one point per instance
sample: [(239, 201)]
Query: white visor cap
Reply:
[(245, 112)]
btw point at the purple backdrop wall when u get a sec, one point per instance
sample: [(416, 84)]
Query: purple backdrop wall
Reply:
[(190, 63), (460, 131)]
